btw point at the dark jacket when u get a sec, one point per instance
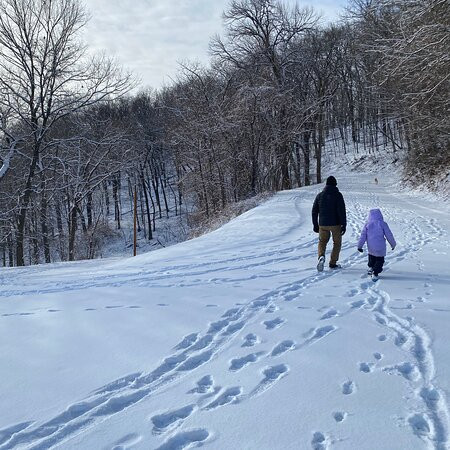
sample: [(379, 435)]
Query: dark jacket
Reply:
[(329, 206)]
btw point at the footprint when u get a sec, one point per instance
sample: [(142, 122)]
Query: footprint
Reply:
[(128, 441), (211, 305), (187, 341), (204, 385), (215, 327), (329, 314), (380, 320), (7, 433), (201, 343), (400, 339), (53, 310), (113, 306), (231, 395), (382, 337), (348, 387), (283, 347), (275, 323), (357, 304), (271, 376), (353, 293), (232, 314), (339, 416), (378, 356), (320, 441), (239, 363), (250, 340), (431, 397), (365, 367), (134, 307), (195, 361), (271, 309), (231, 329), (162, 422), (185, 439), (406, 370), (319, 333), (420, 425), (162, 304), (90, 309)]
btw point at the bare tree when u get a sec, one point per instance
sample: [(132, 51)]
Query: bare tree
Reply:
[(45, 76)]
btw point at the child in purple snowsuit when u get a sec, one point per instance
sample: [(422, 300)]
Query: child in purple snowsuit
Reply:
[(375, 232)]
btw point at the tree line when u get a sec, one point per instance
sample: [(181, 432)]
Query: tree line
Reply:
[(280, 90)]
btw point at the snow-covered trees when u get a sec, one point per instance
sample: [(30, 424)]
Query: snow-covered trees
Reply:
[(280, 90), (410, 41)]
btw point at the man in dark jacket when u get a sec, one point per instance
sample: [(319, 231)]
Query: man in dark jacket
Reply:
[(329, 218)]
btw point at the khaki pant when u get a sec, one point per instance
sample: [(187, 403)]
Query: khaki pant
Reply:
[(324, 237)]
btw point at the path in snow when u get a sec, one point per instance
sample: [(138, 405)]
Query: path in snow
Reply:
[(252, 349)]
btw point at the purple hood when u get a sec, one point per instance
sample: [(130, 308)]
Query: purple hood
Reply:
[(375, 233)]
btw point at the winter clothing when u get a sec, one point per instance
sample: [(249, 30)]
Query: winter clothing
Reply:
[(324, 237), (376, 264), (331, 181), (329, 218), (329, 208), (375, 232)]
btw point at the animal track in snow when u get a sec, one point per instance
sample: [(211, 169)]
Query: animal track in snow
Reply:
[(185, 439), (275, 323), (366, 367), (348, 387), (250, 340), (231, 395), (162, 422), (283, 347), (320, 441), (339, 416), (239, 363)]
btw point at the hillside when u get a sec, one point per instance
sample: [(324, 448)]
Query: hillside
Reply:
[(233, 340)]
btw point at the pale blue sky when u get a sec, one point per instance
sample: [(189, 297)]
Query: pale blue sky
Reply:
[(150, 37)]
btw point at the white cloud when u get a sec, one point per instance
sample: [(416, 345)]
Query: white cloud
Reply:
[(150, 37)]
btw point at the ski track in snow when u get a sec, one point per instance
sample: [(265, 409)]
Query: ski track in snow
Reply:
[(197, 349)]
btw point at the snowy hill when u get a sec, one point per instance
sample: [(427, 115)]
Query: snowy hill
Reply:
[(233, 340)]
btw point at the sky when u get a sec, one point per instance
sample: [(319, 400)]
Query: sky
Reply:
[(151, 37)]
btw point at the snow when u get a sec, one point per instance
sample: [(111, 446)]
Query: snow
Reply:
[(233, 340)]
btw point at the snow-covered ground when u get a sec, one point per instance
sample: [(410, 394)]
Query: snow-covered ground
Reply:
[(233, 340)]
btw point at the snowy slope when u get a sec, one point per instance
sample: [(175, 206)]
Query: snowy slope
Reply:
[(233, 340)]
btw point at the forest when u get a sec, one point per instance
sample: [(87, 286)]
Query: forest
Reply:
[(79, 138)]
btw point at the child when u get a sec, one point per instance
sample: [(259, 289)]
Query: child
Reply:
[(375, 232)]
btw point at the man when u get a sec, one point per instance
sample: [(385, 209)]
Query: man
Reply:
[(329, 218)]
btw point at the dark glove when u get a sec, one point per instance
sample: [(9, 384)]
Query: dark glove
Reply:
[(316, 228), (360, 250), (343, 230)]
